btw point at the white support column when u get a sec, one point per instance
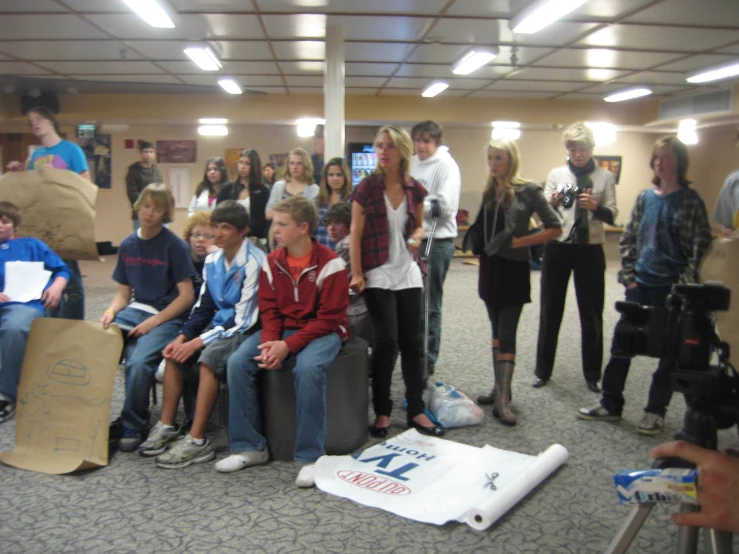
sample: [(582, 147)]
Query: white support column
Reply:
[(333, 92)]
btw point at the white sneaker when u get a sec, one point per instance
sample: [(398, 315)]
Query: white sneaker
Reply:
[(159, 375), (240, 460), (306, 477)]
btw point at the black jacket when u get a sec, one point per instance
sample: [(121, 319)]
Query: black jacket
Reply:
[(257, 205)]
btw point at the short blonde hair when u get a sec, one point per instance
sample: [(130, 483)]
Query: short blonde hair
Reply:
[(307, 165), (579, 133), (300, 210), (197, 219), (403, 143), (161, 196)]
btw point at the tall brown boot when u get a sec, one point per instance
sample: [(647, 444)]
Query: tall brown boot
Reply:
[(503, 379)]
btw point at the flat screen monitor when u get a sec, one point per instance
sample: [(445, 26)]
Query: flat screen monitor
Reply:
[(86, 131)]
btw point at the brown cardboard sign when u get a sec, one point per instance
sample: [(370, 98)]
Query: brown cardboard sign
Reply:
[(63, 407), (722, 264), (58, 208)]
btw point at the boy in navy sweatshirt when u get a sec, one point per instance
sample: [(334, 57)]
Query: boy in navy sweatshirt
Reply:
[(16, 317)]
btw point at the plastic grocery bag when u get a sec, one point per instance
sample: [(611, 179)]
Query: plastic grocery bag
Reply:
[(451, 407)]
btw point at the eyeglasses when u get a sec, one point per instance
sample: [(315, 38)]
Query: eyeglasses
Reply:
[(198, 236)]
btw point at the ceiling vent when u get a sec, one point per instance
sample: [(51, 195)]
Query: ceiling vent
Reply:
[(707, 103)]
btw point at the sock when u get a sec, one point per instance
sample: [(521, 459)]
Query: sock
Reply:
[(198, 442), (167, 427)]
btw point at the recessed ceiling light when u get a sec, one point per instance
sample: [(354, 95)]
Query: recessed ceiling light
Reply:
[(306, 126), (473, 61), (542, 13), (605, 133), (213, 130), (212, 121), (506, 124), (715, 74), (686, 131), (204, 58), (435, 88), (628, 95), (154, 12), (230, 86)]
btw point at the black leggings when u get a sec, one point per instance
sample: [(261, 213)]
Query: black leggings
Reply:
[(396, 317), (505, 324)]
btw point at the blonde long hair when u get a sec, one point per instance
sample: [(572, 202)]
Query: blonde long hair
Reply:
[(512, 179), (307, 166), (403, 143)]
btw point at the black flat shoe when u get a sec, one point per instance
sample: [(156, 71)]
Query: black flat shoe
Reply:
[(378, 432), (434, 431), (539, 382), (593, 386)]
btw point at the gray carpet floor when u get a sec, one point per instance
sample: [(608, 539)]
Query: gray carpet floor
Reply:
[(131, 506)]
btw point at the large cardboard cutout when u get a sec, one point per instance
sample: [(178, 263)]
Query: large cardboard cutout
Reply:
[(722, 264), (63, 408), (58, 207)]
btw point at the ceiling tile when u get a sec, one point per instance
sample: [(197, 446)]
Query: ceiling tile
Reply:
[(249, 81), (697, 63), (306, 90), (107, 68), (128, 78), (225, 49), (301, 49), (46, 27), (201, 27), (369, 69), (655, 77), (20, 68), (66, 50), (608, 88), (481, 8), (229, 68), (296, 26), (438, 53), (365, 91), (209, 5), (400, 92), (534, 86), (691, 12), (646, 37), (376, 52), (365, 27), (607, 10), (604, 58), (510, 94), (730, 49), (492, 32), (445, 71), (557, 74), (316, 81), (466, 83), (96, 6), (365, 81), (581, 96), (11, 6), (419, 84), (298, 68), (420, 7), (2, 57)]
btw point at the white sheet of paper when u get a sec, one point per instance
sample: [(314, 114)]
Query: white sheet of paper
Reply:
[(25, 281)]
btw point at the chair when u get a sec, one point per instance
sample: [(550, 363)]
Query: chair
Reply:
[(347, 401)]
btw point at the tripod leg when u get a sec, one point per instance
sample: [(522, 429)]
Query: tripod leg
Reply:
[(717, 542), (629, 528)]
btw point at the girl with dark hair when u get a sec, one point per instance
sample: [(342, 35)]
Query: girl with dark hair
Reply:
[(335, 187), (216, 175), (249, 191)]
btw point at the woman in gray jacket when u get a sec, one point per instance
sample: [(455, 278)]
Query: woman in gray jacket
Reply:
[(504, 279)]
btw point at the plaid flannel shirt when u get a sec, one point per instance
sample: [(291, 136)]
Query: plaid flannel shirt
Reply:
[(695, 238), (321, 233), (376, 238)]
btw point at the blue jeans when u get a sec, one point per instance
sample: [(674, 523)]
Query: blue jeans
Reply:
[(614, 376), (142, 361), (72, 303), (244, 413), (442, 252), (15, 324)]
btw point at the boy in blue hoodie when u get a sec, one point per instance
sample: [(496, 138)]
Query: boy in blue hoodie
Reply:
[(16, 317), (225, 314)]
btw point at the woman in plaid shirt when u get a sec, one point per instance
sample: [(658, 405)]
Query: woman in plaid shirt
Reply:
[(663, 244), (386, 233)]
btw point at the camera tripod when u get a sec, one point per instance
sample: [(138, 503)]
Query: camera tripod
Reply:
[(700, 428)]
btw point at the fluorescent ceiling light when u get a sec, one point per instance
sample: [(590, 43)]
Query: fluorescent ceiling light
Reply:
[(715, 74), (204, 58), (152, 11), (541, 13), (506, 125), (213, 130), (605, 133), (628, 95), (505, 133), (434, 88), (212, 121), (686, 131), (230, 86), (473, 61), (307, 126)]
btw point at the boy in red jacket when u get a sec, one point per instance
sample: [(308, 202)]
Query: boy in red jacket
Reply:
[(303, 297)]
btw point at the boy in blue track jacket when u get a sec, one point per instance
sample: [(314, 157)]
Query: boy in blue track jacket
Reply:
[(225, 314), (16, 317)]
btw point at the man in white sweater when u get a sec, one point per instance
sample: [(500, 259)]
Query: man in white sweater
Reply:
[(435, 168)]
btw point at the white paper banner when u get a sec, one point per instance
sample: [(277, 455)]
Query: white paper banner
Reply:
[(435, 481)]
